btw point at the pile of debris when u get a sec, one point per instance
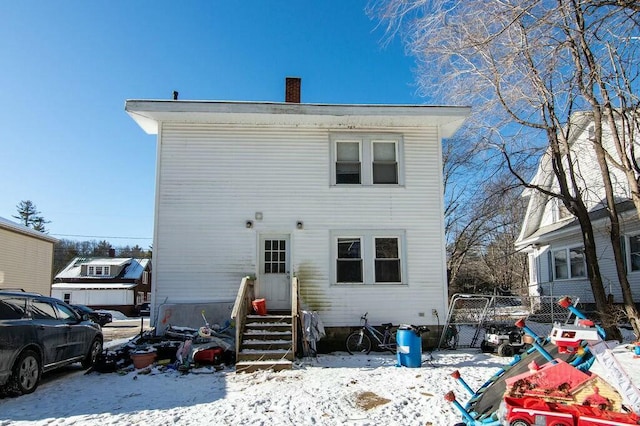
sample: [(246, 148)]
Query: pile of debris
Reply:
[(180, 348)]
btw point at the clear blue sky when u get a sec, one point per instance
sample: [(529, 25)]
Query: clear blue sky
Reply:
[(68, 66)]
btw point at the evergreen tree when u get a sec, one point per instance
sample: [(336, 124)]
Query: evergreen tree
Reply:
[(29, 216)]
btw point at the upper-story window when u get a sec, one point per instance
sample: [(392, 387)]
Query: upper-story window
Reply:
[(366, 159), (98, 271), (569, 263), (558, 210)]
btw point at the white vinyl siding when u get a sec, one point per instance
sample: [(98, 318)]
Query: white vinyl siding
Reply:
[(213, 178)]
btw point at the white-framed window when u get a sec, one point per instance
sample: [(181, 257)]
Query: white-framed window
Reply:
[(98, 271), (145, 277), (633, 253), (366, 159), (533, 268), (368, 257), (559, 211), (569, 263)]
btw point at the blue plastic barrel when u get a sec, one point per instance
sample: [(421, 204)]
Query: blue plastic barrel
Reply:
[(409, 347)]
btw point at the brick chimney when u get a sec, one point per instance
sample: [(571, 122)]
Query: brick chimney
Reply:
[(112, 252), (292, 90)]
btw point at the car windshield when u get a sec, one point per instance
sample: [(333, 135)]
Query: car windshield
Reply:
[(83, 308)]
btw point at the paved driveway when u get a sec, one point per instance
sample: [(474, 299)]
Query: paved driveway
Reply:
[(124, 329)]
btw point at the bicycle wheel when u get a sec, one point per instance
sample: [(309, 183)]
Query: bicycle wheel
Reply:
[(358, 342), (392, 346)]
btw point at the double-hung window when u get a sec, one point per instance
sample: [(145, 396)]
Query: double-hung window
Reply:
[(569, 263), (366, 160), (634, 253), (368, 257), (98, 271)]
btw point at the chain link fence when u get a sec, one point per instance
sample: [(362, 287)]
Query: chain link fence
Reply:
[(471, 314)]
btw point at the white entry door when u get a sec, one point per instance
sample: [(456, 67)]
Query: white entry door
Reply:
[(275, 280)]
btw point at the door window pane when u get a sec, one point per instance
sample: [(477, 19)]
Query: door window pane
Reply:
[(275, 257), (349, 262), (42, 310)]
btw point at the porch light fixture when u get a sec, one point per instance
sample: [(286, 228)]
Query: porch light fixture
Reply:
[(249, 224), (299, 224)]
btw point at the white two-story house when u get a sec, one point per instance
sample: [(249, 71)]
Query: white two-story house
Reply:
[(551, 235), (347, 198)]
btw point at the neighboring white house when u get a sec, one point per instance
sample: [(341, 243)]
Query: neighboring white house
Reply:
[(119, 283), (551, 235), (26, 258), (348, 198)]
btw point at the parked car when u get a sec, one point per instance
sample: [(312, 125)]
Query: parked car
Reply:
[(144, 310), (38, 334), (99, 317)]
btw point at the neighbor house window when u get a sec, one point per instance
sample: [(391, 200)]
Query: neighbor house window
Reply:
[(634, 252), (66, 297), (145, 277), (559, 211), (98, 271), (368, 257), (363, 159), (569, 263)]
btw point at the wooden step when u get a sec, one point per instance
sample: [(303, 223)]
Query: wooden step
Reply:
[(273, 365), (254, 334), (256, 355)]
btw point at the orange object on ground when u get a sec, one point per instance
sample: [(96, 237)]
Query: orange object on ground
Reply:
[(260, 306)]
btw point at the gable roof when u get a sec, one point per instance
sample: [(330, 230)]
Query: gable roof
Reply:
[(545, 178), (149, 113), (133, 270), (25, 230)]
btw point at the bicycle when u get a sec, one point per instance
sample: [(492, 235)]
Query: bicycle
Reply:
[(360, 340)]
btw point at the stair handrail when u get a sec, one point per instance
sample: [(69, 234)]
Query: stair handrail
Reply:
[(241, 308), (295, 309)]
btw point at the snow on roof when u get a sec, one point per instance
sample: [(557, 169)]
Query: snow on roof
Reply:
[(132, 271), (92, 286), (16, 227)]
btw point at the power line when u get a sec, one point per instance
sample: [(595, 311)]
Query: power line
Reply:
[(101, 236)]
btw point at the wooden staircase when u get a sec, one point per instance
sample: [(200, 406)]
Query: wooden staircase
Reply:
[(267, 343)]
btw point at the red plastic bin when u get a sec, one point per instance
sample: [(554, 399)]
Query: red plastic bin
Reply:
[(260, 306), (209, 356)]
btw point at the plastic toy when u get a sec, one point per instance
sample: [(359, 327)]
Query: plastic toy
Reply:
[(550, 384)]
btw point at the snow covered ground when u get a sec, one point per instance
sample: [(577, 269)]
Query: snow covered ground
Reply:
[(334, 389)]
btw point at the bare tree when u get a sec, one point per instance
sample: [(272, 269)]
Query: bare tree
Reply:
[(513, 61)]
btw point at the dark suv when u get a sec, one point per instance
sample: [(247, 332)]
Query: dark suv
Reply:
[(38, 334)]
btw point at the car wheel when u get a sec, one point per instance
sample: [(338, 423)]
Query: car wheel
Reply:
[(94, 350), (26, 373)]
